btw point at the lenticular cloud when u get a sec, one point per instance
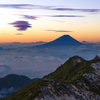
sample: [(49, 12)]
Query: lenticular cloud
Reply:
[(21, 25)]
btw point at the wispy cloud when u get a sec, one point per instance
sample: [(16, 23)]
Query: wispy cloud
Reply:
[(21, 25), (58, 21), (72, 9), (17, 6), (19, 34), (24, 6), (58, 30), (66, 16), (27, 16)]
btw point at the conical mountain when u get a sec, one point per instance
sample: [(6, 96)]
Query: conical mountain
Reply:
[(65, 40)]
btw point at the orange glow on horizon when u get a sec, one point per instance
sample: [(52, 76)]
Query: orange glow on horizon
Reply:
[(45, 38)]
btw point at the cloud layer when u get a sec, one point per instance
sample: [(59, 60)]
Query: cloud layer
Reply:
[(21, 25), (4, 68)]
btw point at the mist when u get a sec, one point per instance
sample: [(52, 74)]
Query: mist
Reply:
[(37, 61)]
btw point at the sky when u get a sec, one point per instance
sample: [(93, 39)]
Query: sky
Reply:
[(46, 20)]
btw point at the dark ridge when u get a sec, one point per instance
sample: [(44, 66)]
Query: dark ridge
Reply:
[(13, 80)]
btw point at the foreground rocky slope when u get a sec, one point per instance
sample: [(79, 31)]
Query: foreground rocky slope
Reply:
[(76, 79), (58, 90)]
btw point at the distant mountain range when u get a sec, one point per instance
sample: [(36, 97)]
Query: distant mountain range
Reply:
[(76, 79)]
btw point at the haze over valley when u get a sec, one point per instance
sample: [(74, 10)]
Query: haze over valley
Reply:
[(37, 61)]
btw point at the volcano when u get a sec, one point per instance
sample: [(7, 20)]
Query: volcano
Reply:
[(65, 40)]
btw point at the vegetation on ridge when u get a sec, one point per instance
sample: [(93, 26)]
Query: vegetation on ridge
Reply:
[(72, 70)]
